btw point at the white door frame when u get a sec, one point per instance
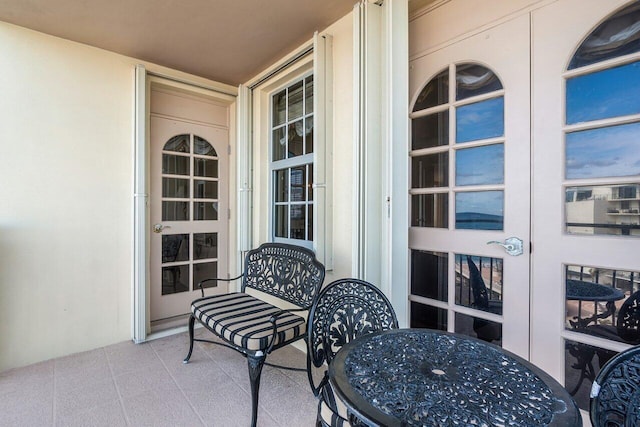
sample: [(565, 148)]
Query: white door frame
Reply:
[(141, 226)]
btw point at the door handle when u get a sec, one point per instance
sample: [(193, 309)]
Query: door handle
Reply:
[(512, 245), (157, 228)]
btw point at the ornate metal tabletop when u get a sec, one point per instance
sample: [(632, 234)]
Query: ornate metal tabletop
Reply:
[(421, 377)]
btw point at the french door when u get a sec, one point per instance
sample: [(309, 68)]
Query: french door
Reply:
[(470, 182)]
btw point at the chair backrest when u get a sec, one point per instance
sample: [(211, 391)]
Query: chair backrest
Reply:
[(291, 273), (344, 310), (628, 321), (616, 391), (479, 289)]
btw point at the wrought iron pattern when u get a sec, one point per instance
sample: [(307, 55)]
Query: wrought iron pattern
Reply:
[(617, 402), (434, 379), (345, 310), (628, 322), (288, 272)]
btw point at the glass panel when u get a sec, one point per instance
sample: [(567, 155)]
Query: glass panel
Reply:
[(479, 283), (201, 146), (279, 108), (295, 101), (308, 135), (473, 80), (175, 247), (480, 210), (429, 274), (617, 36), (430, 171), (603, 302), (298, 222), (281, 221), (175, 211), (610, 93), (582, 363), (480, 120), (309, 222), (476, 327), (604, 209), (430, 131), (205, 167), (175, 165), (430, 210), (426, 316), (175, 279), (298, 183), (179, 144), (480, 165), (282, 185), (205, 245), (202, 271), (310, 181), (205, 211), (205, 189), (295, 139), (279, 143), (436, 92), (175, 187), (308, 93), (603, 152)]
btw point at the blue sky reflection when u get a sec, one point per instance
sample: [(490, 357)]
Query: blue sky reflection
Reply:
[(605, 152), (480, 210), (480, 165), (480, 120)]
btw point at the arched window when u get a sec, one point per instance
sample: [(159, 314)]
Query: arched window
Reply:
[(602, 129)]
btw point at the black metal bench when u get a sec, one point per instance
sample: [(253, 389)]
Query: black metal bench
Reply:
[(252, 326)]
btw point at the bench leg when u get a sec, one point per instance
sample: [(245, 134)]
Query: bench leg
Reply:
[(255, 369), (192, 321)]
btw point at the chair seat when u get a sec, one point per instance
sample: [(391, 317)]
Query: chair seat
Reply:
[(243, 320), (332, 409)]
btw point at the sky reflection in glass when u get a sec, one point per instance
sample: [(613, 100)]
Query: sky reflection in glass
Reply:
[(480, 165), (610, 93), (480, 120), (603, 152), (480, 210)]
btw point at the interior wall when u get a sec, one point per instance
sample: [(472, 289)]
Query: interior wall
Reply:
[(66, 170)]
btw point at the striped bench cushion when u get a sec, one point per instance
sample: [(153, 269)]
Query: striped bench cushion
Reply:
[(244, 320)]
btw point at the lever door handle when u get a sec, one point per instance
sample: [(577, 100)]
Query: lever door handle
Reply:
[(512, 245), (157, 228)]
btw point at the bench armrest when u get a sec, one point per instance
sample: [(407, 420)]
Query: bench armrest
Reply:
[(216, 278)]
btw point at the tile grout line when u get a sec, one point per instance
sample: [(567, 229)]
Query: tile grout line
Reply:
[(115, 384), (193, 408)]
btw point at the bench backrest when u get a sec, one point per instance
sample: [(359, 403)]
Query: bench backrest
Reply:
[(291, 273)]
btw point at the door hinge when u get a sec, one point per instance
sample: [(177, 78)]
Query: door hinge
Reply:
[(229, 213), (229, 149)]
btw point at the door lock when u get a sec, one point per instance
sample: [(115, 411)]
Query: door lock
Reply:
[(512, 245)]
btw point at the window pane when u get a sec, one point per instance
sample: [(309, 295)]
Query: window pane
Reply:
[(295, 101), (480, 120), (609, 93), (281, 221), (175, 187), (436, 92), (205, 211), (175, 279), (310, 181), (480, 210), (582, 364), (429, 273), (473, 80), (205, 189), (604, 209), (282, 185), (201, 146), (309, 222), (175, 165), (296, 132), (202, 271), (604, 152), (476, 327), (426, 316), (430, 171), (430, 210), (279, 143), (179, 144), (617, 36), (308, 136), (308, 93), (205, 245), (175, 211), (479, 283), (298, 183), (430, 131), (480, 165), (175, 247), (298, 222), (205, 167), (279, 108)]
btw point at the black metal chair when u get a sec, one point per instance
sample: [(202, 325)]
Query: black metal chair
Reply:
[(615, 394), (344, 310), (252, 326)]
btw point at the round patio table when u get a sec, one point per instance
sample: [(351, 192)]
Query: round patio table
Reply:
[(422, 377)]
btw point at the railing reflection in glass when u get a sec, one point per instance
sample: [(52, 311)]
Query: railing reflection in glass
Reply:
[(479, 283)]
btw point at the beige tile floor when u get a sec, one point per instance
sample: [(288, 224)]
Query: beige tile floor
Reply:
[(148, 385)]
